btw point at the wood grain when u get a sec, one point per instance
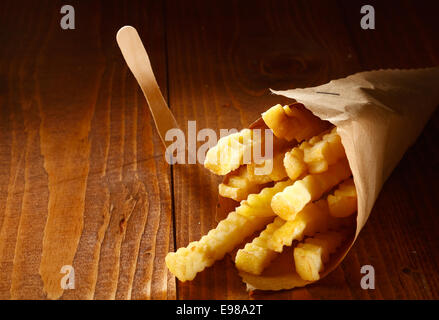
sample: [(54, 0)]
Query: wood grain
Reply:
[(83, 179), (86, 181)]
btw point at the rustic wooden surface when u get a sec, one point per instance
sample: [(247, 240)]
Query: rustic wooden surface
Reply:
[(83, 180)]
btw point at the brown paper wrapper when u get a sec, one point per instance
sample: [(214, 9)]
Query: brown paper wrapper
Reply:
[(378, 115)]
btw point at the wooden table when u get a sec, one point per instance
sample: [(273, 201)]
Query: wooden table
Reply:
[(83, 180)]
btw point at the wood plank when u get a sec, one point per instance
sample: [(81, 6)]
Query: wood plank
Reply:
[(222, 60), (400, 238), (85, 181)]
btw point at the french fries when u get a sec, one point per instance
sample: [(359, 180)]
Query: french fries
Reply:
[(293, 122), (313, 218), (310, 256), (256, 255), (260, 204), (229, 153), (268, 170), (248, 179), (314, 155), (290, 201), (303, 199), (186, 262), (294, 164), (344, 200), (318, 155), (238, 186)]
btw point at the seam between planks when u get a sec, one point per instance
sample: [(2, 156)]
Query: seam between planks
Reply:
[(171, 168)]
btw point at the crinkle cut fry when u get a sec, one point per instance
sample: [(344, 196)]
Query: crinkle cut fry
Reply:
[(311, 255), (248, 179), (230, 151), (238, 186), (186, 262), (325, 150), (260, 204), (294, 163), (268, 170), (343, 202), (293, 122), (292, 199), (256, 255), (314, 217), (314, 155)]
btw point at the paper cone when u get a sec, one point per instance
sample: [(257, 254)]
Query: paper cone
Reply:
[(378, 114)]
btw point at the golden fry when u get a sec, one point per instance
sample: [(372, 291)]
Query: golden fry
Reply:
[(230, 152), (344, 200), (260, 204), (293, 122), (238, 186), (294, 164), (186, 262), (314, 155), (248, 178), (321, 154), (310, 256), (313, 218), (256, 255), (290, 201), (267, 171)]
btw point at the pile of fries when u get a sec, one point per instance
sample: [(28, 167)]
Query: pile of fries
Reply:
[(306, 201)]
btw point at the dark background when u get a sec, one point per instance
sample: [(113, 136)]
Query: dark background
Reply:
[(77, 140)]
